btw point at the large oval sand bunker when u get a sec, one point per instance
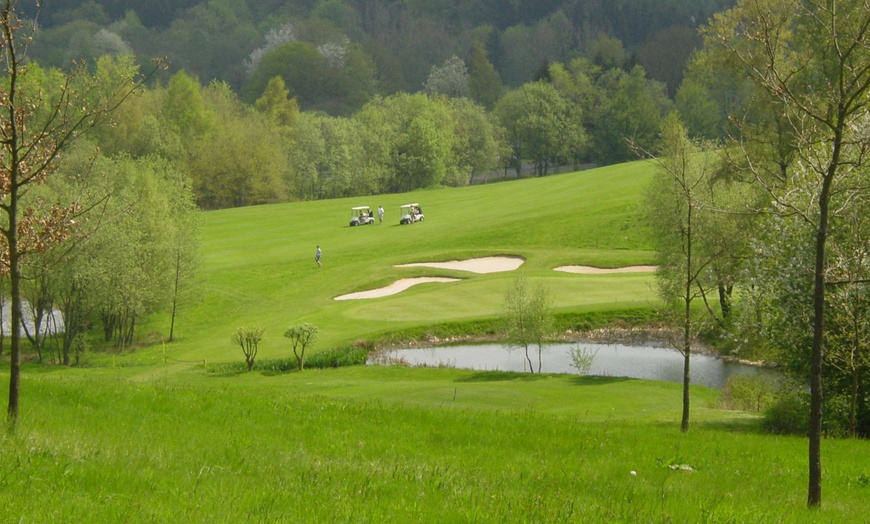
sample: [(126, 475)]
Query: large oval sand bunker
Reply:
[(591, 270), (396, 287), (475, 265)]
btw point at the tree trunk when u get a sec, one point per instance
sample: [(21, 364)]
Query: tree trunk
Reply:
[(175, 296), (725, 299), (15, 316), (687, 320), (814, 488)]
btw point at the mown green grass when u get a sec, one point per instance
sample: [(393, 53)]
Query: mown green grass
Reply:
[(258, 266), (161, 434), (409, 445)]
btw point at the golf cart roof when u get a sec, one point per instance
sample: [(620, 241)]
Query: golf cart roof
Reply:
[(411, 205), (358, 208)]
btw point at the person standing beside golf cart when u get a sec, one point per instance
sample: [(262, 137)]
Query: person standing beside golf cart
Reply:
[(380, 214)]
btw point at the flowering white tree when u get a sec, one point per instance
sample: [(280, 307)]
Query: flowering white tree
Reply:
[(449, 79), (274, 38)]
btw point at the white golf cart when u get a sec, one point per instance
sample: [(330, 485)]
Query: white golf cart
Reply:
[(361, 215), (411, 213)]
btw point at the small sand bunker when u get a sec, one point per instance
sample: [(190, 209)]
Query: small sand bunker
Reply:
[(395, 287), (475, 265), (590, 270)]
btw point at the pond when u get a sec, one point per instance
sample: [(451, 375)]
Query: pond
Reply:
[(613, 360)]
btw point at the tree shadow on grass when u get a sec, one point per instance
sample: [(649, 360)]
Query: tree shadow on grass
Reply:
[(753, 426), (598, 380), (504, 376), (747, 425)]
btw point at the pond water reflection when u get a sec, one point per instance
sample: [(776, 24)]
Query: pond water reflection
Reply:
[(613, 360)]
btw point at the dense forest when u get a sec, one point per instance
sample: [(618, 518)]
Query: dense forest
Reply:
[(395, 42), (331, 98)]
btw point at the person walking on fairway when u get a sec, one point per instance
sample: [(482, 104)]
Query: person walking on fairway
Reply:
[(380, 214), (317, 255)]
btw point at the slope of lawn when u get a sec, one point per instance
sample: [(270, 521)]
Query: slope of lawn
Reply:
[(259, 268)]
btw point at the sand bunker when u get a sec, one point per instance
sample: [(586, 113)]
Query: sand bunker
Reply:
[(395, 287), (590, 270), (475, 265)]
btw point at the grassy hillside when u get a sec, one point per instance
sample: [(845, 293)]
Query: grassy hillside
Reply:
[(259, 270), (155, 439)]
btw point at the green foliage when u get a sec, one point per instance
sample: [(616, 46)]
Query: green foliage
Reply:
[(748, 393), (542, 126), (582, 359), (484, 83), (248, 339), (330, 358), (276, 103), (244, 161), (185, 109), (335, 77), (337, 357), (628, 111), (527, 319), (411, 138), (789, 412), (301, 336)]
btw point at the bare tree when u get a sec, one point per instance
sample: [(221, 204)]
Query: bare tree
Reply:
[(36, 125)]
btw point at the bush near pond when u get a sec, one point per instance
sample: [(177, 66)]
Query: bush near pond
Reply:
[(332, 358)]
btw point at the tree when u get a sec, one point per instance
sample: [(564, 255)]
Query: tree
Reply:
[(184, 222), (810, 60), (479, 143), (627, 112), (679, 207), (138, 245), (35, 127), (301, 336), (848, 303), (244, 161), (276, 103), (248, 338), (449, 79), (336, 77), (410, 138), (527, 319), (484, 83), (542, 125), (185, 109), (607, 52)]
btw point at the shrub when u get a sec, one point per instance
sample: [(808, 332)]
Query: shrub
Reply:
[(790, 411), (747, 393), (338, 357), (582, 359), (333, 358)]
